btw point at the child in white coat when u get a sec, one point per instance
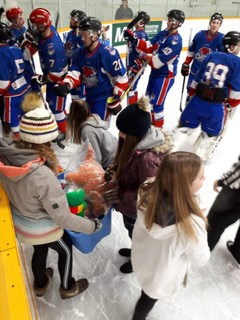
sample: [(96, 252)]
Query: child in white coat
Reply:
[(170, 230)]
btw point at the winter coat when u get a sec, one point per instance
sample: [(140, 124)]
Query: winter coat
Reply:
[(38, 203), (142, 164), (161, 256), (104, 143)]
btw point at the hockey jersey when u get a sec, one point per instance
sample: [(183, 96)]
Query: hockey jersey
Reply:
[(221, 70), (12, 79), (101, 71), (52, 56), (73, 42), (165, 49), (201, 46), (17, 35), (133, 53)]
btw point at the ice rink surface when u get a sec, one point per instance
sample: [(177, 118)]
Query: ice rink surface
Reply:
[(212, 292)]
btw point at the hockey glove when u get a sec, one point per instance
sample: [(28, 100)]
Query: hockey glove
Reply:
[(185, 70), (61, 89), (39, 80), (30, 39), (129, 36), (113, 104)]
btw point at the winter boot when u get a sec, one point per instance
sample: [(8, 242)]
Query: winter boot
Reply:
[(40, 291), (127, 267), (79, 287), (125, 252)]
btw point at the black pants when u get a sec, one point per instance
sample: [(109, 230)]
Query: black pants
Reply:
[(143, 306), (129, 224), (39, 260), (224, 212)]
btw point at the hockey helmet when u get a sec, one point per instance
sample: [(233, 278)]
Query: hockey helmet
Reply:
[(5, 33), (13, 13), (78, 15), (40, 16), (216, 16), (91, 24), (231, 38), (145, 17), (177, 15)]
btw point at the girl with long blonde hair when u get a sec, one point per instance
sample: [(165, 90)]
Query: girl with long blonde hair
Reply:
[(170, 230)]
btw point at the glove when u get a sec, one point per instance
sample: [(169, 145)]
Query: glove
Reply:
[(61, 89), (98, 224), (143, 56), (134, 69), (112, 196), (185, 70), (30, 38), (39, 80), (110, 171), (113, 104), (129, 35)]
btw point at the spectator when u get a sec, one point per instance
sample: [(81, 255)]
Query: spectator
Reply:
[(124, 12)]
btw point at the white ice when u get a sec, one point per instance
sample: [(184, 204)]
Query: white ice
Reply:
[(212, 292)]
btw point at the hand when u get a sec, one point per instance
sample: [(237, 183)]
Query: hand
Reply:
[(112, 196), (113, 104), (129, 35), (185, 69), (143, 56), (98, 224), (61, 89), (39, 80)]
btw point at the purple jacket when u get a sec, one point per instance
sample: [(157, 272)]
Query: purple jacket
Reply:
[(142, 164)]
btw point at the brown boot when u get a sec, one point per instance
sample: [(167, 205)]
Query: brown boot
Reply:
[(79, 287), (40, 291)]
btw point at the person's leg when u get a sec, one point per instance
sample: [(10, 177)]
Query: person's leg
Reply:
[(39, 260), (64, 249), (222, 214), (129, 225), (143, 306)]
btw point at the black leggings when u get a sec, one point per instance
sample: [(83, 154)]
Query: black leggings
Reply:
[(129, 225), (39, 260), (143, 306), (224, 212)]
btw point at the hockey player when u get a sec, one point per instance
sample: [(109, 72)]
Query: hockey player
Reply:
[(203, 43), (53, 63), (165, 48), (134, 63), (15, 16), (13, 84), (100, 68), (216, 81), (73, 42)]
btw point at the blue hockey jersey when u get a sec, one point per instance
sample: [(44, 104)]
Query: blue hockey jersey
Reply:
[(165, 49), (73, 42), (201, 46), (221, 70), (12, 79), (101, 71), (52, 56)]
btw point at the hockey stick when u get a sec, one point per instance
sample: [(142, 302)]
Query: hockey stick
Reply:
[(184, 78), (30, 59), (140, 16), (57, 20)]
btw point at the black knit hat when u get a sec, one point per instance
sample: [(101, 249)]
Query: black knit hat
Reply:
[(135, 119)]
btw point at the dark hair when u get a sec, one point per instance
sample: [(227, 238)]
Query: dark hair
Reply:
[(79, 113)]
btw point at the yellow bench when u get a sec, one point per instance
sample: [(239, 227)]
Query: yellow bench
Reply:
[(14, 300)]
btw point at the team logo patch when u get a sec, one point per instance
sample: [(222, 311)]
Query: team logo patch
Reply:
[(90, 76), (174, 41), (50, 49), (202, 53)]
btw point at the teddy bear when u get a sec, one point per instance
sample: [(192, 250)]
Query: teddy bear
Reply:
[(90, 177)]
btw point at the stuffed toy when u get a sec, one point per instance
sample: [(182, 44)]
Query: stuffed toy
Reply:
[(90, 177), (76, 201)]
